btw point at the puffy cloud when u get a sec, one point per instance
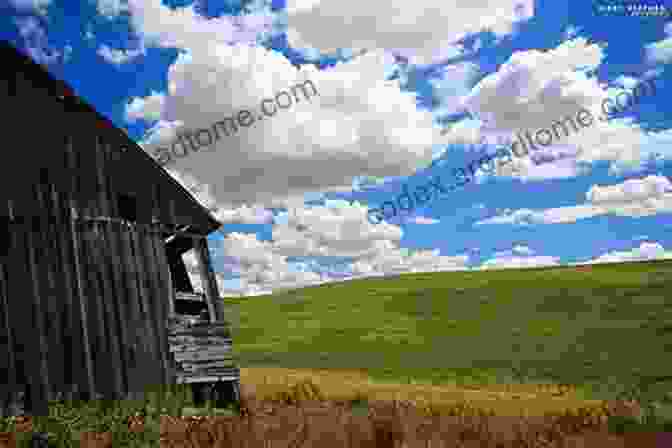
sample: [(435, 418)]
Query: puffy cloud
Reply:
[(245, 215), (522, 217), (532, 81), (537, 90), (646, 196), (424, 31), (223, 213), (184, 28), (646, 251), (258, 266), (261, 271), (526, 217), (661, 51), (337, 239), (518, 257), (393, 261), (359, 125), (557, 162), (342, 230), (118, 57), (631, 190), (520, 262), (336, 229)]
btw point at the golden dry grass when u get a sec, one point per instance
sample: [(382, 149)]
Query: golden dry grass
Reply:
[(398, 424), (299, 408), (347, 385), (288, 409)]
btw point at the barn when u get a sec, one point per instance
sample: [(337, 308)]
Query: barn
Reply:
[(92, 232)]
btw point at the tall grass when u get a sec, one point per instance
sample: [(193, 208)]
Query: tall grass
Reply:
[(303, 414), (68, 419)]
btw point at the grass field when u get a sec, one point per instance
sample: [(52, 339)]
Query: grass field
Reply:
[(537, 342), (600, 328)]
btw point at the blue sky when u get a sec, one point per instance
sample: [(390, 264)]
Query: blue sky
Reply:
[(407, 90)]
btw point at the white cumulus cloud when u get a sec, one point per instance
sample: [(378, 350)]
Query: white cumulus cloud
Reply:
[(423, 31), (359, 124), (646, 196), (645, 251), (518, 257), (537, 90)]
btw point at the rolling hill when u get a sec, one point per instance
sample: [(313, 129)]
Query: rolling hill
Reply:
[(596, 327)]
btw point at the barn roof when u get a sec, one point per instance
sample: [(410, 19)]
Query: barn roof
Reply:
[(143, 162)]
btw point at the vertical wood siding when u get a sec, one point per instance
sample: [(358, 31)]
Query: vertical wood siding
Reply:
[(125, 290), (84, 302)]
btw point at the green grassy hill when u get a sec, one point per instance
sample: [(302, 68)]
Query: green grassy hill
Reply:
[(571, 325)]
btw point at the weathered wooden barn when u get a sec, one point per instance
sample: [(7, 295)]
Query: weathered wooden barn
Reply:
[(92, 231)]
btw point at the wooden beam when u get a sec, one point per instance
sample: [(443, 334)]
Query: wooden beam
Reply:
[(88, 386), (110, 295), (149, 369), (52, 301), (40, 384), (120, 279), (134, 323), (160, 293), (166, 292), (74, 366), (167, 230), (155, 198), (215, 306)]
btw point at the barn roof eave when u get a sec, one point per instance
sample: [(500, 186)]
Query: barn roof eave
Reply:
[(212, 223)]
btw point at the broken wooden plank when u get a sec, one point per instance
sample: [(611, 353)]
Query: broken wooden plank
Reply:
[(196, 356)]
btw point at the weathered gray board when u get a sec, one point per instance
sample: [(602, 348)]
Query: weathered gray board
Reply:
[(201, 352)]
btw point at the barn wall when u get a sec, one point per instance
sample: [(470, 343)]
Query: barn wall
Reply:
[(83, 302), (41, 124)]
